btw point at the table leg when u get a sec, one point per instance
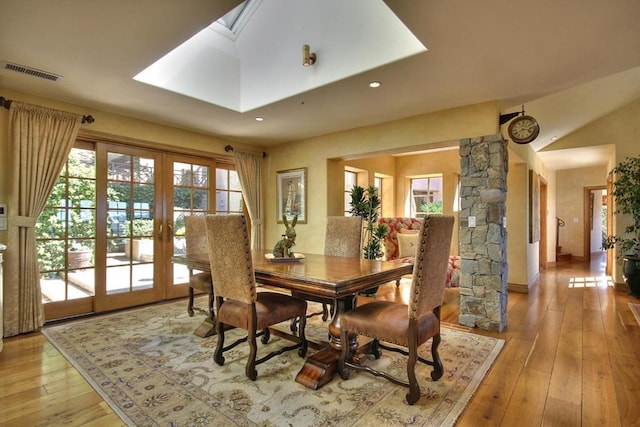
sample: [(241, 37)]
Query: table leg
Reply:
[(206, 329), (319, 368), (208, 326)]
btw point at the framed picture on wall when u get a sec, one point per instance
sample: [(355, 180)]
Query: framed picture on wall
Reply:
[(292, 194), (534, 207)]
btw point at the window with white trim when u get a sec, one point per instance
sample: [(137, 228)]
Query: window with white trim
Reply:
[(426, 196)]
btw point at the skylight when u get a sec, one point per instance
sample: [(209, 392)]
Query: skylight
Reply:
[(252, 56), (234, 21)]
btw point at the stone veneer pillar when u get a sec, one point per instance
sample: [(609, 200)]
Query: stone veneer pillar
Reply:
[(483, 249)]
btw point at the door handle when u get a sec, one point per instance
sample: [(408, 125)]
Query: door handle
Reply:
[(169, 230), (160, 232)]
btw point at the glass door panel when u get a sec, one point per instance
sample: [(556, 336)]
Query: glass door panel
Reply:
[(130, 198), (191, 188), (131, 193), (114, 220), (65, 238)]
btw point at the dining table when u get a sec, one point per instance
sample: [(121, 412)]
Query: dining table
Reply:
[(339, 279)]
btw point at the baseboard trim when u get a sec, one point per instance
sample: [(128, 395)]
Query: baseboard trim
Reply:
[(517, 287), (621, 287)]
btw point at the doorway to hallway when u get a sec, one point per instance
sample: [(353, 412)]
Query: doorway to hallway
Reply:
[(596, 224)]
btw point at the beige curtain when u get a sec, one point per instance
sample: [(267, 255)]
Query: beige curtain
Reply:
[(40, 141), (249, 167)]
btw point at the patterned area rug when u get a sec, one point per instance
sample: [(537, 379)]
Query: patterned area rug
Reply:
[(151, 369), (635, 309)]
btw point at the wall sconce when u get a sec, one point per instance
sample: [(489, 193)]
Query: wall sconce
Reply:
[(307, 58)]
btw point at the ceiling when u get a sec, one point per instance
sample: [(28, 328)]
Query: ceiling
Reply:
[(243, 70), (568, 65)]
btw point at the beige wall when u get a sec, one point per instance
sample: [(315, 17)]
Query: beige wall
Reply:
[(570, 205), (621, 128), (406, 134), (520, 251), (402, 135), (385, 166), (446, 163), (401, 168), (517, 224), (326, 156)]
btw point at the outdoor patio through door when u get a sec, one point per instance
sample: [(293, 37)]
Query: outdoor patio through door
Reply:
[(115, 219)]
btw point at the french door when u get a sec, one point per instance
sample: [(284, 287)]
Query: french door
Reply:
[(114, 221)]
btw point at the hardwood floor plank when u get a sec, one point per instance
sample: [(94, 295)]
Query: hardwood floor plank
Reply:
[(527, 403), (542, 355), (626, 377), (498, 386), (564, 400), (599, 405)]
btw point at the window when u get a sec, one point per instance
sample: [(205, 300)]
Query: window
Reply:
[(377, 184), (228, 192), (350, 180), (426, 196), (231, 24)]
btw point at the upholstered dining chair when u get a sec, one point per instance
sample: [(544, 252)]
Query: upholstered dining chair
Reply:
[(196, 243), (343, 237), (407, 327), (238, 304)]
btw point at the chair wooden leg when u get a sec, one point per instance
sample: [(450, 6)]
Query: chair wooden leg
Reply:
[(397, 283), (414, 388), (190, 303), (218, 354), (325, 312), (375, 348), (250, 369), (293, 325), (212, 315), (438, 369), (266, 335)]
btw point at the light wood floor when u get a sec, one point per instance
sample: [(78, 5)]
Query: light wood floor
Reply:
[(572, 358)]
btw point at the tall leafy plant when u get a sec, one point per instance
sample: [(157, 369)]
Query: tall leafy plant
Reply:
[(626, 193), (366, 203)]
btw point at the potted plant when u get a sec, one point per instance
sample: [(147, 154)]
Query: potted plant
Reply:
[(140, 246), (626, 194), (78, 256), (366, 203)]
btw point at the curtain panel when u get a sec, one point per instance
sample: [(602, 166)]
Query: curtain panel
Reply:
[(249, 167), (40, 141)]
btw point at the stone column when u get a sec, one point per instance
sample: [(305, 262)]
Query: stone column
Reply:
[(483, 248)]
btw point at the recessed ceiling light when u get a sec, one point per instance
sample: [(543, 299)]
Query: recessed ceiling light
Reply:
[(259, 119), (375, 84), (553, 138)]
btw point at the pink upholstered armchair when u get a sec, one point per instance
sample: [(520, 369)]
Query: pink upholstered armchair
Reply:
[(393, 248)]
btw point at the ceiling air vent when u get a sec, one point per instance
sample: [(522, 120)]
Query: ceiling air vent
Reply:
[(4, 65)]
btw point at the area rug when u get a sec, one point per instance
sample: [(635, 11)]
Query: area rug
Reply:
[(151, 369), (635, 309)]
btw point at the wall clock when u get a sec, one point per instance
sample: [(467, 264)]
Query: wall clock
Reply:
[(523, 129)]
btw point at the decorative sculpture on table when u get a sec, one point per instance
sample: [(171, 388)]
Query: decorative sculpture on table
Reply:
[(282, 249)]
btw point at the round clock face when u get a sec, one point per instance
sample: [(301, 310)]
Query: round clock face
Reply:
[(523, 129)]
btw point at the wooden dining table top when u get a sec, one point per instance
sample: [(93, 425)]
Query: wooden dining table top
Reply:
[(316, 274)]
